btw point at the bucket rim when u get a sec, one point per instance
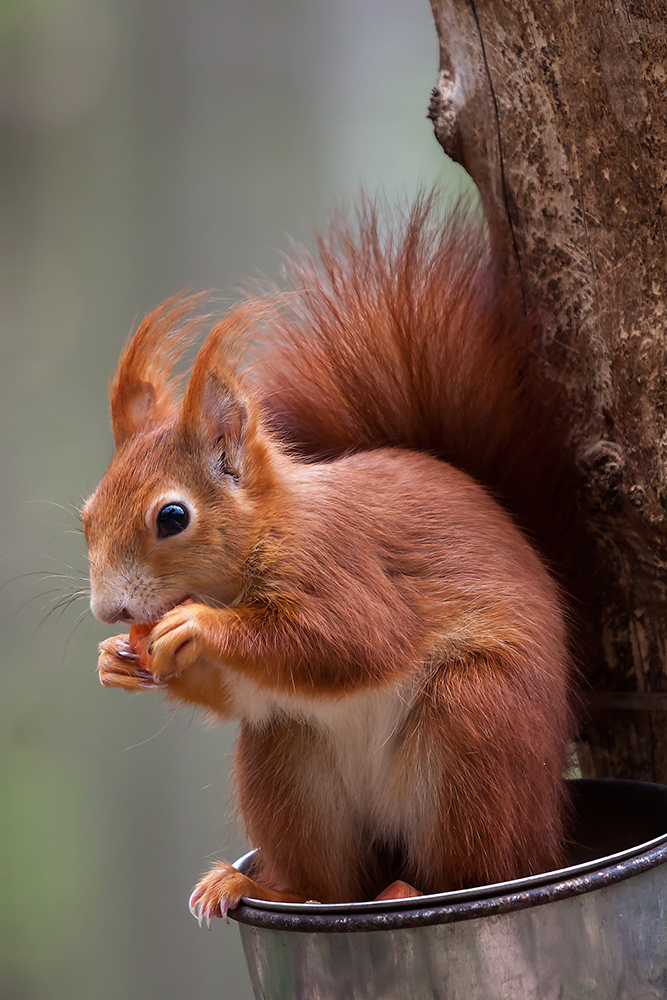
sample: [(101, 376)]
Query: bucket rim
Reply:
[(462, 904)]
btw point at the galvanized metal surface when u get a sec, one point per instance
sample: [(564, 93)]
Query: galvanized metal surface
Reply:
[(598, 936), (606, 945)]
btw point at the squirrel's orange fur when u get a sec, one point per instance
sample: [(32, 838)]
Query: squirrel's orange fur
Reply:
[(390, 639)]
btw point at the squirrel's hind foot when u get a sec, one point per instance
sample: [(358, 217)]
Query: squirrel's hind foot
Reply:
[(221, 890)]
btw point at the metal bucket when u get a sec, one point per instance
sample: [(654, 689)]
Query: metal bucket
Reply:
[(595, 930)]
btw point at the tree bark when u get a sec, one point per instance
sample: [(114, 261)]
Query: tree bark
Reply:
[(558, 110)]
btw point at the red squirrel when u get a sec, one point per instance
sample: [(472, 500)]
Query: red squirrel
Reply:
[(314, 545)]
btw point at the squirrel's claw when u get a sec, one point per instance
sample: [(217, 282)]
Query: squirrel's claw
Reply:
[(127, 653), (200, 911)]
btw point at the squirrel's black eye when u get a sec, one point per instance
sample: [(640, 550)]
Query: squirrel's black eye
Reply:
[(172, 519)]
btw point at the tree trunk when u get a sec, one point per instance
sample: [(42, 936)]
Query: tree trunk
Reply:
[(558, 110)]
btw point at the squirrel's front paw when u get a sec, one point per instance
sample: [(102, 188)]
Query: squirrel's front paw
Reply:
[(219, 891), (119, 666), (180, 639)]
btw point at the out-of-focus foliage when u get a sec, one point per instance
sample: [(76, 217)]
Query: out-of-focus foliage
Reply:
[(145, 147)]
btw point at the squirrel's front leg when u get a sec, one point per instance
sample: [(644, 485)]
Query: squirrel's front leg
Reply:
[(185, 656), (184, 637)]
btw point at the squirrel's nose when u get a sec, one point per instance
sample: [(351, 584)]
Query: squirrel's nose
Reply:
[(110, 613)]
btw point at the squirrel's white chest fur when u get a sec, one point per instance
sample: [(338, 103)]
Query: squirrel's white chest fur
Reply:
[(359, 735)]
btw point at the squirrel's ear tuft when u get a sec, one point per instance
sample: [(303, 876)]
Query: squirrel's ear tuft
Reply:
[(143, 390)]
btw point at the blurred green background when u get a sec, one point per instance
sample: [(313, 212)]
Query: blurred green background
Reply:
[(146, 145)]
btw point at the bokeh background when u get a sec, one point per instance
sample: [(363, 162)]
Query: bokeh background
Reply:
[(146, 145)]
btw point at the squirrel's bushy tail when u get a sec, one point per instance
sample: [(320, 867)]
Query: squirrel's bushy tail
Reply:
[(400, 332)]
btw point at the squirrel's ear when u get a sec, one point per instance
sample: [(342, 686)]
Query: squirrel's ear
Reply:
[(131, 404), (143, 388), (223, 412), (213, 405)]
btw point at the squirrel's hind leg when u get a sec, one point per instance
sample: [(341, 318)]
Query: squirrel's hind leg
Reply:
[(498, 730)]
